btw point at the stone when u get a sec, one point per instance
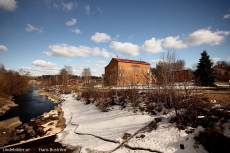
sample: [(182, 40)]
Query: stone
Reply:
[(126, 136), (166, 111), (151, 126), (181, 146), (40, 129), (31, 132), (159, 119), (38, 121), (33, 119), (22, 136), (51, 123), (189, 131)]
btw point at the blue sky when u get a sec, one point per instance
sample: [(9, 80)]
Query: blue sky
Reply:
[(42, 36)]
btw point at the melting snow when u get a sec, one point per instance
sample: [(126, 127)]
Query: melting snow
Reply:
[(91, 125)]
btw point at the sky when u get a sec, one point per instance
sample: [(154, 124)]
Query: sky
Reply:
[(42, 36)]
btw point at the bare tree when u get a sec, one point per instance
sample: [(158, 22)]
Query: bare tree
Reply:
[(12, 83), (23, 72), (65, 73), (86, 75)]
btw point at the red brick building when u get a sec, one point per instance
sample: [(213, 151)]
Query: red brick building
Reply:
[(126, 72), (181, 75)]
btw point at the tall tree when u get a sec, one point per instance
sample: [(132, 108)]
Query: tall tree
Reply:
[(204, 74), (86, 75), (64, 73)]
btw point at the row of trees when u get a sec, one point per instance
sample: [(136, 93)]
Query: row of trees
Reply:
[(13, 82), (66, 73), (203, 74)]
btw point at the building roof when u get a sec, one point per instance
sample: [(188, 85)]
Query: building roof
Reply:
[(131, 61), (223, 67)]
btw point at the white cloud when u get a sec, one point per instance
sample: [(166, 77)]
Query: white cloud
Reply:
[(77, 70), (103, 53), (76, 30), (100, 37), (3, 48), (173, 42), (100, 62), (38, 71), (153, 45), (125, 48), (69, 60), (216, 59), (71, 51), (68, 6), (156, 61), (9, 5), (87, 8), (99, 9), (206, 36), (227, 16), (71, 22), (87, 61), (117, 36), (228, 58), (98, 69), (43, 63), (113, 55), (130, 36), (31, 28)]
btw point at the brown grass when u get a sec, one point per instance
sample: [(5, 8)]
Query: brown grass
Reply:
[(220, 98), (223, 83)]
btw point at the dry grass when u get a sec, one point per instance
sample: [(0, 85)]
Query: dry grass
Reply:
[(222, 83), (220, 98)]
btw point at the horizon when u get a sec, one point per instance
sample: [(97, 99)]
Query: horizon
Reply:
[(90, 33)]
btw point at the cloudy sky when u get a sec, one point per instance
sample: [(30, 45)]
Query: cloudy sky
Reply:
[(44, 35)]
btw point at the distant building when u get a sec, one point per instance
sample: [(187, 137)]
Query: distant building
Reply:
[(222, 73), (181, 75), (127, 72), (222, 70)]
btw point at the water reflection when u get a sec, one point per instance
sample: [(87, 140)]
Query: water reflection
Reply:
[(29, 105)]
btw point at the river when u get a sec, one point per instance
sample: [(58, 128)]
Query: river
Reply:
[(30, 105)]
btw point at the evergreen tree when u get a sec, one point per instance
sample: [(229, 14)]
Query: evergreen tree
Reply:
[(204, 74)]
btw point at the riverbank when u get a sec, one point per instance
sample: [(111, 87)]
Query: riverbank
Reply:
[(49, 123), (5, 104)]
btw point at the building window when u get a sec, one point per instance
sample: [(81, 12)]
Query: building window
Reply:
[(122, 68), (225, 73)]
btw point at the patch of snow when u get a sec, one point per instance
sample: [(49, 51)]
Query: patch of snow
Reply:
[(216, 106), (222, 85), (227, 129), (86, 125)]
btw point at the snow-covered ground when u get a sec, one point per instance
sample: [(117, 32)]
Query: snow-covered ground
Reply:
[(90, 129)]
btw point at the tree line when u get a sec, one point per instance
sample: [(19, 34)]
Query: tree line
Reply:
[(65, 74), (13, 82)]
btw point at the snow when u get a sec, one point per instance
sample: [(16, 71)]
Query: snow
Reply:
[(89, 128), (223, 85)]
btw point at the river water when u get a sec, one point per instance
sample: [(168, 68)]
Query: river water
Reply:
[(30, 105)]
